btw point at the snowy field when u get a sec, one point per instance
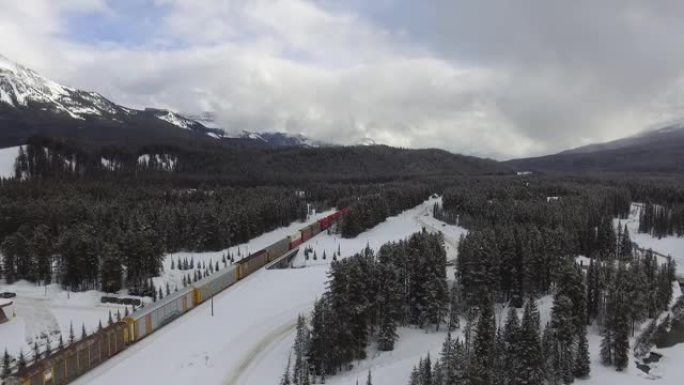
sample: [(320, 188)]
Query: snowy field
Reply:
[(7, 157), (248, 339), (49, 311), (673, 246)]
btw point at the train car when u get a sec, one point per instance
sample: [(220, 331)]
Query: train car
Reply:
[(252, 263), (214, 284), (306, 233), (315, 229), (324, 223), (295, 240), (66, 365), (155, 315), (277, 249)]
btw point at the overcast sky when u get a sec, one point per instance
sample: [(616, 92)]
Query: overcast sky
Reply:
[(497, 78)]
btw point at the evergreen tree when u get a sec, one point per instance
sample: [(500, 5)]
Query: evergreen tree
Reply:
[(36, 352), (285, 379), (582, 363), (48, 347), (530, 365), (511, 344), (6, 359), (454, 313), (626, 244), (72, 337), (21, 363), (481, 372), (607, 347)]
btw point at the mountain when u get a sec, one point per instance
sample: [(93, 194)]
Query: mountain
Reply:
[(108, 136), (656, 150), (281, 139), (31, 105)]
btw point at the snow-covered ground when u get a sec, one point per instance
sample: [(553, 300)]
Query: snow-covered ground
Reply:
[(673, 246), (249, 338), (39, 311), (48, 311), (7, 157)]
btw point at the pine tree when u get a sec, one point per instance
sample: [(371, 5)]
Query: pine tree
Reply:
[(582, 363), (481, 372), (72, 337), (83, 332), (607, 347), (511, 342), (6, 359), (48, 347), (454, 313), (415, 376), (285, 379), (36, 352), (369, 380), (301, 349), (21, 364), (426, 371), (621, 342), (530, 369), (626, 244), (60, 345), (562, 333), (110, 320)]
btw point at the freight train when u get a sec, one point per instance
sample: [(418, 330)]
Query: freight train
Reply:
[(64, 365)]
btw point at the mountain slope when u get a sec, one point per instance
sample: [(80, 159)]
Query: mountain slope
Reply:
[(31, 105), (660, 150)]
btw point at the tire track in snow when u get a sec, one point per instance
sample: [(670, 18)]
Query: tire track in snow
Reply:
[(269, 339)]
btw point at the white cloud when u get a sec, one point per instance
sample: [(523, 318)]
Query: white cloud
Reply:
[(481, 81)]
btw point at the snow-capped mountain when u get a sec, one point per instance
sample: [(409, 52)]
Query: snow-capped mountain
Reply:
[(31, 104), (21, 87), (280, 139)]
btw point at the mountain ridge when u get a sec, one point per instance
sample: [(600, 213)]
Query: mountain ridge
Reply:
[(658, 150)]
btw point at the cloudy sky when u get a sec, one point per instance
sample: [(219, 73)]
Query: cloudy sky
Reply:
[(497, 78)]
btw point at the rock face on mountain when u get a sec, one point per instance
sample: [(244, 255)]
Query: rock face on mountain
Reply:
[(659, 150)]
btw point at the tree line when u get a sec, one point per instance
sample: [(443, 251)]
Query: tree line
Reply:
[(85, 233), (369, 295)]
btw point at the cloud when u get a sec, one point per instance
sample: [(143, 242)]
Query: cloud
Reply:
[(492, 78)]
